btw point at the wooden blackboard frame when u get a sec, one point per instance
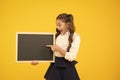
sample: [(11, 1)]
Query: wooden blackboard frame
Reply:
[(33, 34)]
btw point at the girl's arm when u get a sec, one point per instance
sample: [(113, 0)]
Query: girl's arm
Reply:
[(70, 56)]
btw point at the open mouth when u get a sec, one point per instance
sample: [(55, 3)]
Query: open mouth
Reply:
[(59, 30)]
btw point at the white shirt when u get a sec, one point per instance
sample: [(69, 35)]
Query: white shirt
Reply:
[(62, 41)]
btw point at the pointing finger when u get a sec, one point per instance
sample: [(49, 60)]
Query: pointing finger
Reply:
[(48, 45)]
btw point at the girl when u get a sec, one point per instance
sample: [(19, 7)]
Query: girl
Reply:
[(65, 49)]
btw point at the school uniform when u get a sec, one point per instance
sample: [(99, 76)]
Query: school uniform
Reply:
[(64, 67)]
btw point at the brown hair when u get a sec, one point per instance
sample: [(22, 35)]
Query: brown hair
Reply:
[(67, 18)]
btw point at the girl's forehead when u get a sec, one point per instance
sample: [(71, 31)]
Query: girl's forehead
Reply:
[(59, 21)]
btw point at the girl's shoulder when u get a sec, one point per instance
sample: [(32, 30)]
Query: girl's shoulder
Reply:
[(76, 35)]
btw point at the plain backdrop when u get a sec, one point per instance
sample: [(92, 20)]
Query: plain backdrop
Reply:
[(97, 22)]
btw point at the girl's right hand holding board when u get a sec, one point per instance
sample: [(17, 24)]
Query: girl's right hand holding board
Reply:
[(34, 62)]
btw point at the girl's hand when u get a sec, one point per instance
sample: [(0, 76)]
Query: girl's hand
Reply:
[(57, 48), (34, 62), (53, 47)]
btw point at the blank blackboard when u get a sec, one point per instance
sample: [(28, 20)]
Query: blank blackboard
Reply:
[(32, 46)]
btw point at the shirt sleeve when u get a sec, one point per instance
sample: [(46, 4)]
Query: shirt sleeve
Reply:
[(71, 55)]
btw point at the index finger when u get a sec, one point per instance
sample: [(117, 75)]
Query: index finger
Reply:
[(48, 45)]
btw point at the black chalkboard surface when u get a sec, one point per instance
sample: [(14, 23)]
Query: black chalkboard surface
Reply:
[(32, 46)]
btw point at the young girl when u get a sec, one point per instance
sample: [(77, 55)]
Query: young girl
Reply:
[(65, 49)]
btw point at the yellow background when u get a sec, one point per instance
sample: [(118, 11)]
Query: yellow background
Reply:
[(97, 22)]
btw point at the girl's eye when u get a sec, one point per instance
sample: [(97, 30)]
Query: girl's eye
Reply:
[(58, 25)]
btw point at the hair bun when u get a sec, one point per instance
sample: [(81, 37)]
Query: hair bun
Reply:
[(70, 16)]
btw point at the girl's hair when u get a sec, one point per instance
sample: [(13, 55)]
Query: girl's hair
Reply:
[(68, 19)]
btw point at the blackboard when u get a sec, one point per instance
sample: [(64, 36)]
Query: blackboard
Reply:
[(32, 46)]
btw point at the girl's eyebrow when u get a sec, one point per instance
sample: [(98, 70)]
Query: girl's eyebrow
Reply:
[(58, 23)]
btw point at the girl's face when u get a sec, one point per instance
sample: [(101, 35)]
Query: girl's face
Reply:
[(61, 26)]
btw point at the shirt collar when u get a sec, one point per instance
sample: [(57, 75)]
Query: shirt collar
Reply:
[(67, 33)]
